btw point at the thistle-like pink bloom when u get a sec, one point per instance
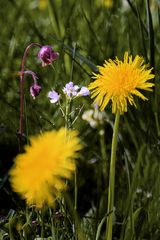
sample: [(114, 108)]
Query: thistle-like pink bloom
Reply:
[(47, 55)]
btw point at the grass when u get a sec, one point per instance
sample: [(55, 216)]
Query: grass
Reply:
[(85, 33)]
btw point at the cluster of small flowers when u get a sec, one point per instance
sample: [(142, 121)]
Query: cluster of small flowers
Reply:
[(70, 90), (94, 116)]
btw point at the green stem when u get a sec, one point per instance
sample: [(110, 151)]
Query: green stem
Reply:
[(67, 113), (112, 179), (104, 166), (26, 118), (42, 222), (11, 236), (52, 225), (75, 203), (157, 123)]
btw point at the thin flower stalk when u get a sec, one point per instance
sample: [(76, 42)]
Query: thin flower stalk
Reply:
[(20, 132), (112, 179)]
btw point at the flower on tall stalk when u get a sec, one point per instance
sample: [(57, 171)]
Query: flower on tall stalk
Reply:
[(71, 90), (47, 55), (107, 3), (119, 81), (42, 4), (35, 90), (94, 116), (39, 174), (84, 92), (53, 96)]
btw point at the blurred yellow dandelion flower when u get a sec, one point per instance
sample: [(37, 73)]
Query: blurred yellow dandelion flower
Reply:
[(119, 80), (39, 174), (42, 4), (107, 3)]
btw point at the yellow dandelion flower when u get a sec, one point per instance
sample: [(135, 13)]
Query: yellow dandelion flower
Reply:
[(38, 174), (119, 80), (42, 4), (107, 3)]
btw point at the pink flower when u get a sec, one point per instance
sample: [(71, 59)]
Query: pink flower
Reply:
[(47, 55), (35, 90)]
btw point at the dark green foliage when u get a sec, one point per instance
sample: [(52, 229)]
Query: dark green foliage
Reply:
[(95, 33)]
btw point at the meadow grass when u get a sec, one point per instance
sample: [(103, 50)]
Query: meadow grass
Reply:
[(85, 33)]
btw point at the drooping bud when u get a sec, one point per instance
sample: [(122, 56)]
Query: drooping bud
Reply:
[(47, 55), (35, 90)]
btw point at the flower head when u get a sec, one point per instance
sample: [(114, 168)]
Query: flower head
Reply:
[(42, 4), (107, 3), (119, 80), (71, 90), (39, 174), (84, 92), (47, 55), (53, 96), (35, 90), (93, 116)]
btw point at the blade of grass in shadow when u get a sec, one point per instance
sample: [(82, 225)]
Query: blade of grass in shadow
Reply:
[(130, 198), (81, 235), (54, 18), (136, 14), (129, 188), (100, 226), (150, 34), (80, 57), (142, 34), (148, 30), (92, 30), (156, 106), (132, 133), (136, 219)]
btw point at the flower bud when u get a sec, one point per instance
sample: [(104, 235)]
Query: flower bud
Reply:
[(35, 90), (47, 55)]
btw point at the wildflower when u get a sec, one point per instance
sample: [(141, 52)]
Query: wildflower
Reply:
[(35, 90), (88, 116), (107, 3), (33, 74), (53, 96), (42, 4), (70, 89), (93, 116), (119, 80), (139, 190), (84, 92), (39, 174), (148, 194), (47, 55)]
